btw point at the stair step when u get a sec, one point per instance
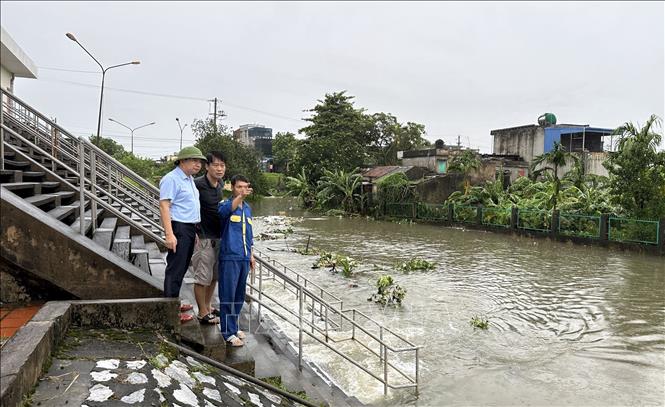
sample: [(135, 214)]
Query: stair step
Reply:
[(9, 154), (31, 175), (139, 254), (16, 165), (87, 225), (153, 251), (41, 199), (121, 242), (62, 212), (50, 185), (103, 235), (7, 176)]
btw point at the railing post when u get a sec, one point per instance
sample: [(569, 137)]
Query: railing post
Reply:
[(82, 188), (260, 290), (661, 235), (300, 301), (451, 213), (479, 215), (554, 226), (604, 219), (110, 178), (385, 370), (514, 217), (417, 372), (93, 190), (381, 348), (353, 324), (2, 133)]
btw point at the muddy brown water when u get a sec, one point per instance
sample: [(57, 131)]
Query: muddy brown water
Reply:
[(568, 324)]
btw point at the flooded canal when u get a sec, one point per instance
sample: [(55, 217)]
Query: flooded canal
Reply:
[(569, 325)]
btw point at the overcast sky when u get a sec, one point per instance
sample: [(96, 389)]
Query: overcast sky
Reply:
[(458, 68)]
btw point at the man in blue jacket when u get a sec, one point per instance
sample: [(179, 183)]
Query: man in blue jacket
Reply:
[(235, 258)]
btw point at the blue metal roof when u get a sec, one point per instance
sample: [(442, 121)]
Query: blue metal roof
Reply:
[(553, 134)]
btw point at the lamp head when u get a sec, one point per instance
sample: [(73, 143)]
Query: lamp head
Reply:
[(136, 62), (71, 36)]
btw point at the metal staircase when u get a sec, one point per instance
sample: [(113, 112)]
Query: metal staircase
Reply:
[(73, 181)]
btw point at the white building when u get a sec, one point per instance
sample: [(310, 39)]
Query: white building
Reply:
[(13, 62)]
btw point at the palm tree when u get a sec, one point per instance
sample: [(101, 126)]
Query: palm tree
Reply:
[(550, 162), (300, 186), (629, 135), (465, 163), (339, 186)]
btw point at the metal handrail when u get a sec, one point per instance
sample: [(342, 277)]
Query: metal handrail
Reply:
[(86, 193), (46, 132), (303, 293)]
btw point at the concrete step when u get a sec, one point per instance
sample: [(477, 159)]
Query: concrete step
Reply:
[(139, 253), (22, 189), (103, 235), (6, 176), (42, 200), (64, 211), (121, 242), (87, 225), (16, 165), (33, 176)]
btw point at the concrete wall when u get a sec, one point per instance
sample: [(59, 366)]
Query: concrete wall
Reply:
[(427, 162), (6, 79), (437, 189), (54, 252), (593, 164), (527, 141)]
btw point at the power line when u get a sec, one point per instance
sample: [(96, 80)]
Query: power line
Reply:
[(167, 95), (66, 70)]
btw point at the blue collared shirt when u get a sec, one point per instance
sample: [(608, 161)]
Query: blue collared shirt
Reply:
[(237, 234), (183, 194)]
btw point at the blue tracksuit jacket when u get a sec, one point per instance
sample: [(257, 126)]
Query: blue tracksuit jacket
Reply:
[(237, 235)]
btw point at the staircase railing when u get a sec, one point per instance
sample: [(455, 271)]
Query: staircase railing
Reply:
[(317, 318), (86, 189), (107, 171)]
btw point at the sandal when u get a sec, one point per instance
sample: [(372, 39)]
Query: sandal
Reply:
[(215, 312), (185, 318), (240, 334), (235, 341), (208, 319)]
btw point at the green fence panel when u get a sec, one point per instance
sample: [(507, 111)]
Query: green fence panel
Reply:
[(496, 217), (432, 212), (465, 214), (399, 210), (534, 220), (579, 225), (633, 230)]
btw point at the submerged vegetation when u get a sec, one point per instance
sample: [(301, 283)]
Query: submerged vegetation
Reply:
[(415, 264), (388, 292), (332, 260), (479, 322)]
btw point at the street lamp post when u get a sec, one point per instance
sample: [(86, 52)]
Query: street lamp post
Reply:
[(132, 130), (101, 95), (181, 129)]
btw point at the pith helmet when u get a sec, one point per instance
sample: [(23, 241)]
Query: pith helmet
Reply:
[(190, 152)]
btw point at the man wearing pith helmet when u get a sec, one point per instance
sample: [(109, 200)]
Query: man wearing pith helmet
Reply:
[(180, 211)]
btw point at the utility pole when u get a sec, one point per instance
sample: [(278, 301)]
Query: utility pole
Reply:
[(214, 115)]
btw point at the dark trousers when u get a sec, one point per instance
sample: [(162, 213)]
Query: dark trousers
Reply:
[(232, 282), (177, 262)]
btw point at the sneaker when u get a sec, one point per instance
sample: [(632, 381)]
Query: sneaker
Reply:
[(186, 307), (185, 318)]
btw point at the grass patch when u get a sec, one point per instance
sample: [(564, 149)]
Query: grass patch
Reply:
[(277, 382)]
